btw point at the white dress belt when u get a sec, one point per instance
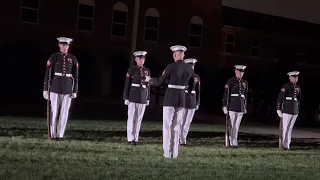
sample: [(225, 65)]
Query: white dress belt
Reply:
[(60, 74), (193, 92), (290, 98), (138, 85), (176, 86), (237, 95)]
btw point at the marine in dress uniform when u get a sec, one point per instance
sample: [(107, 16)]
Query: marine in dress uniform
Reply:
[(63, 86), (235, 103), (136, 95), (178, 74), (288, 104), (191, 105)]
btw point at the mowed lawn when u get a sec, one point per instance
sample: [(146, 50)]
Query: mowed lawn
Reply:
[(98, 150)]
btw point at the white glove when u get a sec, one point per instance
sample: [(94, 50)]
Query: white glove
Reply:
[(245, 111), (126, 102), (225, 111), (279, 113), (197, 107), (74, 95), (45, 95), (147, 78), (147, 103)]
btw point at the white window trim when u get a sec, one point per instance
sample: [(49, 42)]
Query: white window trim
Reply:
[(191, 35), (80, 17), (22, 7), (147, 28), (256, 47), (126, 24), (199, 22), (195, 35), (234, 42)]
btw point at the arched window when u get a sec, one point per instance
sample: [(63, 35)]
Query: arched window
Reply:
[(195, 32), (119, 20), (85, 15), (151, 25), (29, 11)]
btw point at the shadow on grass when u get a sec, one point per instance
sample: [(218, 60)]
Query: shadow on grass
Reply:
[(155, 137)]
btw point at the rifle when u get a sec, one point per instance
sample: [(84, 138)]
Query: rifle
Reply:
[(48, 107), (280, 136), (281, 148), (227, 123)]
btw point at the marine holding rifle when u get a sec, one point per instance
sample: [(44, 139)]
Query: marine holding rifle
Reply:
[(235, 104)]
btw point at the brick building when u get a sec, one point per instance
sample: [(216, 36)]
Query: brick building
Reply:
[(106, 33), (271, 46)]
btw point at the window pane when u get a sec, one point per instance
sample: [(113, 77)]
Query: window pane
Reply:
[(196, 29), (29, 15), (119, 29), (30, 4), (150, 35), (119, 17), (229, 48), (194, 41), (254, 51), (85, 24), (230, 38), (86, 11), (255, 42), (152, 22)]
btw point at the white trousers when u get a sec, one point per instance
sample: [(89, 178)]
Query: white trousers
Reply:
[(185, 124), (62, 101), (172, 118), (288, 121), (234, 124), (135, 115)]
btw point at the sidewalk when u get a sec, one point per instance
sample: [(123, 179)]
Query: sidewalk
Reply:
[(296, 133)]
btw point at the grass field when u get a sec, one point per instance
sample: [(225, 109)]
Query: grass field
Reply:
[(98, 150)]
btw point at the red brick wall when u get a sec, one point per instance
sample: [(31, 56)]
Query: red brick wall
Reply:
[(59, 18)]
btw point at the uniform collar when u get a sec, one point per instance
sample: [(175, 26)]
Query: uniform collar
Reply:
[(139, 67), (65, 54), (293, 84)]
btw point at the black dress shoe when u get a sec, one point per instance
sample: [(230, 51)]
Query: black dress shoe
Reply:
[(183, 144), (135, 142), (53, 139), (59, 139), (129, 142)]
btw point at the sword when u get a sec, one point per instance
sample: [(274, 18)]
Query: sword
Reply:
[(281, 148)]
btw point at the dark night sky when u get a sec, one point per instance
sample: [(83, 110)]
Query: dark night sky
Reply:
[(304, 10)]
